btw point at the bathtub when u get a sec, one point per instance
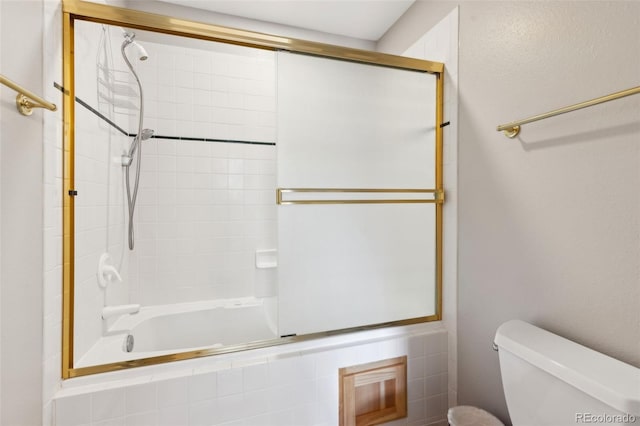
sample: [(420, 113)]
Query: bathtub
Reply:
[(182, 327)]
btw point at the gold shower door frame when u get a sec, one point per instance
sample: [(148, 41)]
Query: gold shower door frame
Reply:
[(103, 14)]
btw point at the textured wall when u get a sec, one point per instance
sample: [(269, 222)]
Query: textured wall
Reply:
[(548, 223)]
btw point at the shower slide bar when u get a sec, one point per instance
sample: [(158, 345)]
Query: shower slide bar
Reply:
[(512, 129), (26, 100), (382, 196)]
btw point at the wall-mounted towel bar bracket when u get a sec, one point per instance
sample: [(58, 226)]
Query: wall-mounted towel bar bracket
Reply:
[(27, 100), (25, 105)]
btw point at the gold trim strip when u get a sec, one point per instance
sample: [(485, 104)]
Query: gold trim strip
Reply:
[(143, 362), (165, 24), (68, 208), (439, 191), (26, 99), (512, 129), (281, 191)]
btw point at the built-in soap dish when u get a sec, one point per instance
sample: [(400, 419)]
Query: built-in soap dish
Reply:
[(266, 259)]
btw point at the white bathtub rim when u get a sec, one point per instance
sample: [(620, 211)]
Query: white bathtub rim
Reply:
[(111, 346), (227, 361)]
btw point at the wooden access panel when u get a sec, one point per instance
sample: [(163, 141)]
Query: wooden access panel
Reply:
[(373, 393)]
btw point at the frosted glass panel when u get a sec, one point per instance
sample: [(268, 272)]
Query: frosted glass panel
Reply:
[(349, 125), (343, 124), (344, 266)]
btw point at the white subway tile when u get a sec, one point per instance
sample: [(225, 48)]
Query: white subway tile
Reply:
[(230, 382), (221, 100), (231, 408), (435, 407), (73, 410), (107, 404), (416, 346), (203, 413), (202, 65), (173, 415), (184, 78), (255, 377), (142, 419), (220, 165), (120, 421), (435, 342), (436, 363), (415, 389), (140, 398), (203, 386), (416, 368), (416, 410)]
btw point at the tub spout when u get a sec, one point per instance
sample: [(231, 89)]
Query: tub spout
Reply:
[(112, 311)]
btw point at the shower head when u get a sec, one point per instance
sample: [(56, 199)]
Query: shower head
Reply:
[(128, 40), (141, 53)]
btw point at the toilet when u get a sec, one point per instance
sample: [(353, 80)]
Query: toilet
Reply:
[(551, 381)]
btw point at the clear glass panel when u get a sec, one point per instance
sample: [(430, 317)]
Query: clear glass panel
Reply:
[(205, 202)]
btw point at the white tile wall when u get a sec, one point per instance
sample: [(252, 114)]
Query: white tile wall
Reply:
[(203, 212), (208, 90), (296, 388), (204, 207)]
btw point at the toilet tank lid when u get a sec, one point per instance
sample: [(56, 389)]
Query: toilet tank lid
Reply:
[(607, 379)]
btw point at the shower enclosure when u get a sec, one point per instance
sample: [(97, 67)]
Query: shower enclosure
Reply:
[(274, 188)]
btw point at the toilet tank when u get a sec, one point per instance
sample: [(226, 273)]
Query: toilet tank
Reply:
[(551, 381)]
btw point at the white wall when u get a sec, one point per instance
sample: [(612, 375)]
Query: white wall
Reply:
[(548, 222), (21, 223)]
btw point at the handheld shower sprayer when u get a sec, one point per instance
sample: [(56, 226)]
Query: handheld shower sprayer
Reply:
[(142, 134), (128, 157)]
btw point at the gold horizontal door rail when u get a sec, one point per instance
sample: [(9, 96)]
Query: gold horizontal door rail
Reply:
[(282, 193), (26, 100), (512, 129)]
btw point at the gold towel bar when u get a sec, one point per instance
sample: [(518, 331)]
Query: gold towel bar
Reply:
[(438, 196), (512, 129), (26, 100)]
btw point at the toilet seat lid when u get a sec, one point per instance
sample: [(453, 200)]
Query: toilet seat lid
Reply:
[(466, 415)]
